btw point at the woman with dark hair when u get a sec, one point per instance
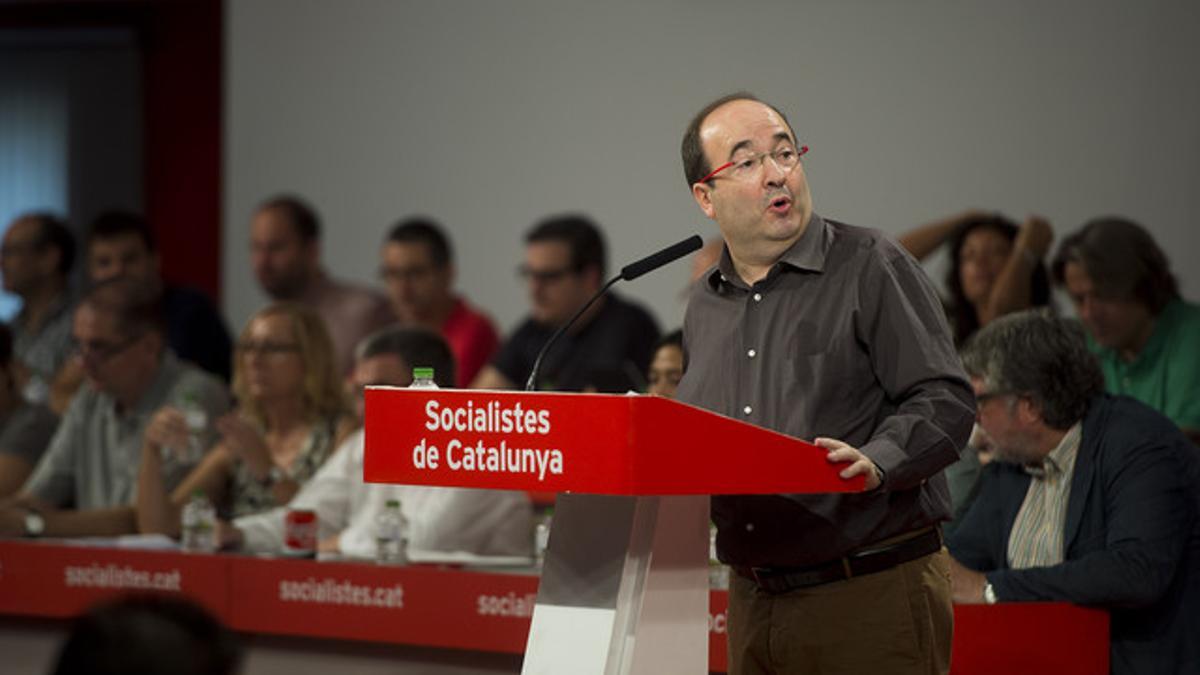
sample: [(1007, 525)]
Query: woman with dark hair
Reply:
[(995, 266)]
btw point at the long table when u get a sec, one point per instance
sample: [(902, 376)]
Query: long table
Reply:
[(454, 609)]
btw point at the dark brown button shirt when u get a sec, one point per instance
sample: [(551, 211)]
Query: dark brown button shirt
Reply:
[(844, 338)]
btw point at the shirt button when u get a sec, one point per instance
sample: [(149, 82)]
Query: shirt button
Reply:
[(758, 297), (752, 353), (747, 410), (749, 527)]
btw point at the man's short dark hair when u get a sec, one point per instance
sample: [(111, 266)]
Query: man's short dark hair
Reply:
[(417, 347), (422, 230), (1040, 356), (136, 307), (149, 634), (299, 213), (1122, 260), (113, 224), (695, 164), (53, 232), (581, 235), (672, 339)]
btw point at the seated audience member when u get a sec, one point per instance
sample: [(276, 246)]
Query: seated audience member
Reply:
[(148, 635), (25, 428), (86, 481), (121, 244), (291, 415), (285, 250), (995, 266), (1144, 334), (1092, 499), (417, 265), (666, 369), (36, 259), (484, 522), (564, 266)]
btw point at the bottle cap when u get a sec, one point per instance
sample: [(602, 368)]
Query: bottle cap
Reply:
[(422, 373)]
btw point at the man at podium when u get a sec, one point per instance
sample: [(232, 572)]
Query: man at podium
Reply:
[(829, 333)]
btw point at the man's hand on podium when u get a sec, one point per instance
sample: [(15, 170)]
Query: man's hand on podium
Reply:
[(840, 452)]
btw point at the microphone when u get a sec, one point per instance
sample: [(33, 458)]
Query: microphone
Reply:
[(628, 273), (666, 256)]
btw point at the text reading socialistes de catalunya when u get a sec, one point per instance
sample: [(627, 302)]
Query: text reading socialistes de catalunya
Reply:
[(492, 418)]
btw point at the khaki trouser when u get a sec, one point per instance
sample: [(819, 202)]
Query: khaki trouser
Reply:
[(896, 621)]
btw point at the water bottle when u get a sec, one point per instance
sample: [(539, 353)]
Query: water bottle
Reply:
[(541, 536), (391, 535), (423, 379), (718, 572), (198, 525), (196, 419)]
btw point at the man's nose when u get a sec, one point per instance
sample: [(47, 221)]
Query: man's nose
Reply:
[(773, 174)]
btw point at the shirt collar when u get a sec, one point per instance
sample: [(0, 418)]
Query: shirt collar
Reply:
[(1157, 342), (1061, 459), (808, 253), (155, 395), (61, 303)]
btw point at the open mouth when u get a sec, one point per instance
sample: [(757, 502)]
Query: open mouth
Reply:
[(780, 204)]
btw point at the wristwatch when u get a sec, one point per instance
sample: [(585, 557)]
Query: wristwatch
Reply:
[(989, 593), (35, 524)]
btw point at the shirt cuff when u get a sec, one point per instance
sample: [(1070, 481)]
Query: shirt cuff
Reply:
[(261, 532)]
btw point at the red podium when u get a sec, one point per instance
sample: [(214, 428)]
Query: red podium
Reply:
[(624, 587)]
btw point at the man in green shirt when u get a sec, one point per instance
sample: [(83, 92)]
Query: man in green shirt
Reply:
[(1146, 337)]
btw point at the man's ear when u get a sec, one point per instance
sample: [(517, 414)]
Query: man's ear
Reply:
[(592, 276), (1028, 410), (47, 260), (702, 193), (312, 253)]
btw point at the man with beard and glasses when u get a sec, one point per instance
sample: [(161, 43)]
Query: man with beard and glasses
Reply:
[(1092, 499), (565, 264)]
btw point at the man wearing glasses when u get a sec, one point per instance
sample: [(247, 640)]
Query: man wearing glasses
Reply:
[(564, 266), (832, 334), (85, 483), (1093, 499), (416, 264)]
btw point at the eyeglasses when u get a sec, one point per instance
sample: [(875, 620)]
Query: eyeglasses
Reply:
[(746, 167), (15, 249), (404, 273), (266, 347), (986, 396), (99, 351), (527, 273)]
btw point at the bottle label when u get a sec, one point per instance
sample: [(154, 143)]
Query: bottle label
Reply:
[(300, 533)]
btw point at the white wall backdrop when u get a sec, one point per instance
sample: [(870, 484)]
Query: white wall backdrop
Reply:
[(489, 115)]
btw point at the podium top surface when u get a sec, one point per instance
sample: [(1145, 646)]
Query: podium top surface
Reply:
[(587, 443)]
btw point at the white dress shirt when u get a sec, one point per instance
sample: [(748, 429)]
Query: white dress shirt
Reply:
[(440, 519)]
